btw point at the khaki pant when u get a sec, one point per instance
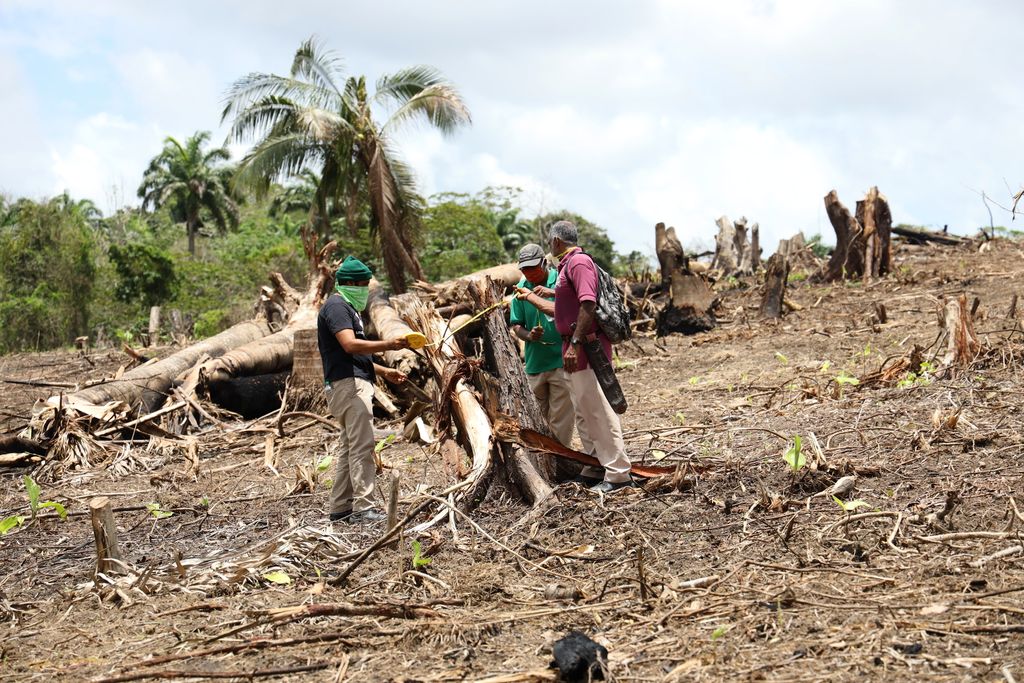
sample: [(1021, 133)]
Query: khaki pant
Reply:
[(603, 431), (554, 398), (351, 403)]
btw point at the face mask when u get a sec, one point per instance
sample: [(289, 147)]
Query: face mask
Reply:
[(356, 296)]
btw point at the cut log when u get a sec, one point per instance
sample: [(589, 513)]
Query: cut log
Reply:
[(104, 531), (776, 276), (501, 356), (690, 299), (154, 325), (916, 236)]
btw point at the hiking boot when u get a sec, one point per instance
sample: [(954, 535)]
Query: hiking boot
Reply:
[(340, 516), (584, 480), (366, 517), (608, 486)]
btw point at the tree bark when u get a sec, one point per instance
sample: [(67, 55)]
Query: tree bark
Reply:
[(863, 242), (389, 325), (515, 397), (776, 275), (457, 291), (726, 258), (962, 345), (104, 531), (737, 247)]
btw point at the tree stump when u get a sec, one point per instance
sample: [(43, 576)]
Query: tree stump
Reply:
[(735, 253), (690, 299), (962, 345), (515, 398), (104, 531), (863, 243), (776, 276)]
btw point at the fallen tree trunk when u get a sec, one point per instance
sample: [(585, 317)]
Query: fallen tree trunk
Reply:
[(145, 387), (690, 299), (515, 397), (915, 236), (457, 290), (389, 325)]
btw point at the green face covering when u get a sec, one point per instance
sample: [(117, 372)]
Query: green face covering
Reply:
[(356, 296)]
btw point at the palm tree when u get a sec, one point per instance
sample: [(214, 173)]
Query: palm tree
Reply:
[(85, 209), (195, 184), (513, 232), (316, 119)]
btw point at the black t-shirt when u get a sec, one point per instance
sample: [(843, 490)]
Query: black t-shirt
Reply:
[(335, 315)]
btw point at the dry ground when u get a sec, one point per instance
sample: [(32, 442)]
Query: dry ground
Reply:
[(801, 589)]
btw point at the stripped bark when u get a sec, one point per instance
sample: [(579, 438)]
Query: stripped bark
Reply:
[(962, 345)]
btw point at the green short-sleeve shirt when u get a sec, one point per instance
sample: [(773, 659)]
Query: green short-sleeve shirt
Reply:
[(546, 354)]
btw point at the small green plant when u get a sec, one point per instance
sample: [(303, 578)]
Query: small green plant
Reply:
[(154, 509), (781, 358), (34, 492), (825, 366), (679, 418), (798, 276), (8, 523), (384, 443), (719, 632), (850, 506), (418, 560), (842, 379), (324, 463), (694, 381), (794, 455), (623, 364)]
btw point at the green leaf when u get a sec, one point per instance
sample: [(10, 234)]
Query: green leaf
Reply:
[(694, 381), (278, 577), (33, 493), (843, 378), (154, 509), (719, 632), (384, 443), (54, 505), (10, 522), (851, 505), (794, 455), (324, 463), (825, 366), (417, 559), (781, 358)]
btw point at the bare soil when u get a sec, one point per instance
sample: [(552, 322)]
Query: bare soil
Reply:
[(920, 579)]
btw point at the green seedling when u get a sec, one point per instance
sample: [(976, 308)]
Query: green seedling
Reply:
[(850, 506), (781, 358), (11, 522), (679, 418), (825, 366), (658, 454), (154, 509), (794, 455), (694, 381), (324, 463), (34, 492), (418, 560), (843, 378), (278, 577), (623, 364), (384, 443), (719, 632)]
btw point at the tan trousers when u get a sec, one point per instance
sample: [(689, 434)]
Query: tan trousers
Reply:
[(554, 397), (351, 403), (603, 437)]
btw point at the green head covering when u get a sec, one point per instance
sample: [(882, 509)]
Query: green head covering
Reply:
[(352, 270)]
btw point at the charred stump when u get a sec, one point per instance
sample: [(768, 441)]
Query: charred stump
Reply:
[(689, 308)]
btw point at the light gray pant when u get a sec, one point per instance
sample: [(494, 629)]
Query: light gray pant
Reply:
[(554, 398), (351, 403), (603, 437)]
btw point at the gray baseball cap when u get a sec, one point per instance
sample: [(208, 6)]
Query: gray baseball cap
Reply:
[(531, 255)]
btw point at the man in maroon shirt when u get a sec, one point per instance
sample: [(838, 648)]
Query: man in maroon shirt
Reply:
[(576, 319)]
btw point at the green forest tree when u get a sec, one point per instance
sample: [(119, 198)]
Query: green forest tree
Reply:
[(316, 119), (194, 183), (460, 237)]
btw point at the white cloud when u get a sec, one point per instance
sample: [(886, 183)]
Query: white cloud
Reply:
[(104, 159)]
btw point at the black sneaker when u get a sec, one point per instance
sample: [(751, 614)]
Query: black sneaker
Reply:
[(364, 516), (341, 516), (608, 487), (584, 480)]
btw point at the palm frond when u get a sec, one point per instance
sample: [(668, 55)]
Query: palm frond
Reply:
[(317, 65), (255, 87), (439, 105), (277, 158)]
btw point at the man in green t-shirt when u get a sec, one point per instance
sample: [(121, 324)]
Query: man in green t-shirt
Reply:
[(543, 348)]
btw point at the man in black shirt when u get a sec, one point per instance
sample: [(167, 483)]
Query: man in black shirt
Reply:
[(349, 373)]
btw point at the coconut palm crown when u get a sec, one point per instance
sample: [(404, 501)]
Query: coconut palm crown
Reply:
[(317, 119), (194, 181)]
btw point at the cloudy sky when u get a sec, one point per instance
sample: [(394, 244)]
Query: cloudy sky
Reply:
[(628, 112)]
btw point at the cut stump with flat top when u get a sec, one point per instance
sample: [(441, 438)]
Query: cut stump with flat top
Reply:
[(104, 531)]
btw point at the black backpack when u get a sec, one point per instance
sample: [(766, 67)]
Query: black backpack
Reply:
[(612, 316)]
